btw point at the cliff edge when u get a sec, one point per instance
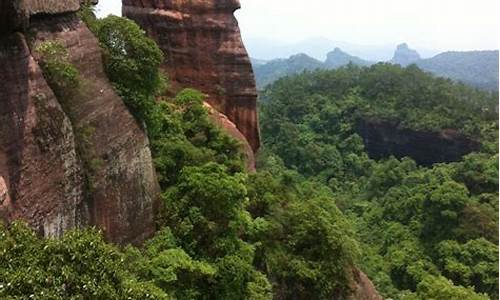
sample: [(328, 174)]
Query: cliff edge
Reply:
[(202, 43)]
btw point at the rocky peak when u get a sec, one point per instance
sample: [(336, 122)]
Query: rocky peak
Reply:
[(202, 43), (338, 58), (404, 55)]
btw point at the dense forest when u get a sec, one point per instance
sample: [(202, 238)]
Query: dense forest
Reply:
[(316, 207), (424, 232)]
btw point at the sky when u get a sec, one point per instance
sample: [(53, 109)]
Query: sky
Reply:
[(433, 24)]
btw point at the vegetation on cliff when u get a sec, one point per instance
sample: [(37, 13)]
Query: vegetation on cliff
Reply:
[(223, 234)]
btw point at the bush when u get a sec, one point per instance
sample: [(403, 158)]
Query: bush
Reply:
[(80, 265), (61, 75), (132, 61), (437, 288)]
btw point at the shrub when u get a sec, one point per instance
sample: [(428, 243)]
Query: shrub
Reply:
[(61, 75), (132, 61)]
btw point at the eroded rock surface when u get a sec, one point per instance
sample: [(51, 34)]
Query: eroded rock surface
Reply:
[(75, 161), (202, 43), (40, 175), (230, 128), (363, 288), (15, 14)]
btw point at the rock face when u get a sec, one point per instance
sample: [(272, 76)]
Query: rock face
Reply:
[(230, 128), (40, 175), (47, 144), (404, 55), (363, 288), (15, 14), (203, 48), (383, 139)]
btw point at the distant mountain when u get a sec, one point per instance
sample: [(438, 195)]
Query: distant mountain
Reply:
[(338, 58), (405, 56), (277, 68), (476, 68), (318, 47)]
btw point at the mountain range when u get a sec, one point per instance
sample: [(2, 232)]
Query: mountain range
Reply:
[(475, 68), (318, 47)]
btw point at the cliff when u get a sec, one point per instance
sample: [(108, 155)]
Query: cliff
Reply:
[(202, 43), (48, 143)]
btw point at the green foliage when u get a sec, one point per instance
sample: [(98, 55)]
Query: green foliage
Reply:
[(474, 263), (182, 135), (418, 227), (87, 15), (436, 288), (61, 75), (78, 266), (225, 234), (424, 232), (304, 242), (206, 211), (131, 60), (169, 267), (205, 206)]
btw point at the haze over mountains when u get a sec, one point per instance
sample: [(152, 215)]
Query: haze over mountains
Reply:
[(318, 47), (475, 68)]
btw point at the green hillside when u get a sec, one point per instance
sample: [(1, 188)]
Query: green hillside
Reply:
[(425, 232)]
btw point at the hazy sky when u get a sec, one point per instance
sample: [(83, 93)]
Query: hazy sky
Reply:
[(434, 24)]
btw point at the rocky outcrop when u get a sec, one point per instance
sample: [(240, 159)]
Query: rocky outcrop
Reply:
[(405, 56), (230, 128), (362, 287), (47, 143), (41, 179), (383, 139), (203, 48), (15, 14)]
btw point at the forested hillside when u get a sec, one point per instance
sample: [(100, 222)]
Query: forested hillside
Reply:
[(268, 72), (222, 233), (425, 232), (319, 209), (476, 68)]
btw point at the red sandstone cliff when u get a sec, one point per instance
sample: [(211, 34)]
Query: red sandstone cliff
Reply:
[(202, 43), (362, 287), (41, 170)]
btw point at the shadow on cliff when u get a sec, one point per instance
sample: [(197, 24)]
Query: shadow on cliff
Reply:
[(383, 139), (14, 103)]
